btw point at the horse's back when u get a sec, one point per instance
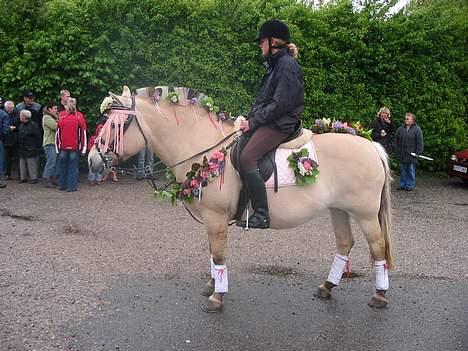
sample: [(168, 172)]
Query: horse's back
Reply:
[(351, 178)]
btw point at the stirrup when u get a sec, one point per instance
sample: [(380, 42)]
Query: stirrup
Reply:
[(255, 221)]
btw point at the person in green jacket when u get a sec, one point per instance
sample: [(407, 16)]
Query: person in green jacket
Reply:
[(49, 125)]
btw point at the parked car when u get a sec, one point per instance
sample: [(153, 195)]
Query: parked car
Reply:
[(458, 165)]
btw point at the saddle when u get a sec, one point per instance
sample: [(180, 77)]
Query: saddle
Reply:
[(267, 165)]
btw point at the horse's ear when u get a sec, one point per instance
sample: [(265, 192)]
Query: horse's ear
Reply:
[(126, 92)]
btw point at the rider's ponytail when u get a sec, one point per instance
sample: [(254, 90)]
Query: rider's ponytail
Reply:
[(292, 48)]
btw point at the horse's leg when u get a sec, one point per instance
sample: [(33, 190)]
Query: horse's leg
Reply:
[(344, 243), (376, 241), (217, 226), (209, 288)]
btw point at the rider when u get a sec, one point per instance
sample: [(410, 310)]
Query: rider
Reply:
[(275, 114)]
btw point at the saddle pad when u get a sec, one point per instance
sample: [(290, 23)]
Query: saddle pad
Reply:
[(286, 175)]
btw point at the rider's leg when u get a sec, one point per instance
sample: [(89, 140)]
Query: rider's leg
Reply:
[(262, 141)]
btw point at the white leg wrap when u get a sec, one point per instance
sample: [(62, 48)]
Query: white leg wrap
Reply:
[(212, 267), (337, 269), (221, 278), (381, 275)]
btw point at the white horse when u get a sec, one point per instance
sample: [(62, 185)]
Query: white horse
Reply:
[(354, 182)]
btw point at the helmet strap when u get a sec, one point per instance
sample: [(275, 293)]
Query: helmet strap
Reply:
[(270, 46)]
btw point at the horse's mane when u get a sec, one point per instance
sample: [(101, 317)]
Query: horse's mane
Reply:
[(184, 92)]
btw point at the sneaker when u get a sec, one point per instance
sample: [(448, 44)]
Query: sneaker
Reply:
[(23, 181), (409, 189), (401, 188), (33, 181)]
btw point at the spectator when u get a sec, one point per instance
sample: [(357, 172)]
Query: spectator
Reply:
[(408, 139), (4, 131), (95, 178), (10, 143), (29, 147), (49, 125), (78, 113), (32, 106), (70, 140), (383, 129), (145, 162), (64, 95)]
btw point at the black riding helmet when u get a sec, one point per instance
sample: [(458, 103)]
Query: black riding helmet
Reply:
[(274, 29)]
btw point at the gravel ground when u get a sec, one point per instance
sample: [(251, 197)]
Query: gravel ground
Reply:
[(61, 252)]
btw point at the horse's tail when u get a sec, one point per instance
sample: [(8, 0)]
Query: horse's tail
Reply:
[(385, 211)]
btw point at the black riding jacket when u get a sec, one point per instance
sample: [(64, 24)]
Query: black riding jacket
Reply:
[(280, 100)]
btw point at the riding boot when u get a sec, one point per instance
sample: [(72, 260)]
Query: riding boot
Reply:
[(257, 192)]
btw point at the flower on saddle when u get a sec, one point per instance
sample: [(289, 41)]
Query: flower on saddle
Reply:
[(208, 103), (305, 169), (173, 97), (306, 165)]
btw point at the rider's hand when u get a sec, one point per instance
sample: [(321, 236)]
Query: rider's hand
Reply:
[(244, 126)]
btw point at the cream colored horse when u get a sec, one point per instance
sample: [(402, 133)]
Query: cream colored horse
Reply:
[(354, 182)]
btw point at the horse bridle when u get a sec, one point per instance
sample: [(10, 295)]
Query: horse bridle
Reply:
[(117, 105)]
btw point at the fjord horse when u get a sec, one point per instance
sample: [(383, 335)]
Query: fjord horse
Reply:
[(354, 182)]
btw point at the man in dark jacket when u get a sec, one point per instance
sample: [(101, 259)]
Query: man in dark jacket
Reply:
[(408, 139), (11, 141), (275, 113), (383, 129), (31, 105)]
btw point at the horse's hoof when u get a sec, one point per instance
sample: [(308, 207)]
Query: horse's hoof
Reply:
[(213, 305), (378, 301), (209, 288), (323, 292)]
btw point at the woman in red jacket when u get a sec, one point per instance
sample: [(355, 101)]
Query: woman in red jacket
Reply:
[(70, 141)]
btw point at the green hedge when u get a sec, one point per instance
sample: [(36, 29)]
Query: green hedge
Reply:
[(353, 62)]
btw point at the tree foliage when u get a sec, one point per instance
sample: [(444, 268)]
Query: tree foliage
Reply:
[(354, 62)]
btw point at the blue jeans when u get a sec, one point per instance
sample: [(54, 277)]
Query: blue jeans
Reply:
[(407, 175), (68, 170), (51, 159), (1, 158)]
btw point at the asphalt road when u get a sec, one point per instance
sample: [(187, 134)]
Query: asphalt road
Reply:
[(110, 268)]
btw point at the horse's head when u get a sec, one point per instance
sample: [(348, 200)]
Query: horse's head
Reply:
[(121, 136)]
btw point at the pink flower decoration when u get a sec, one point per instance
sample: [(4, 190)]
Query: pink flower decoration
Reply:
[(194, 183), (218, 155), (187, 191), (213, 166), (307, 165)]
